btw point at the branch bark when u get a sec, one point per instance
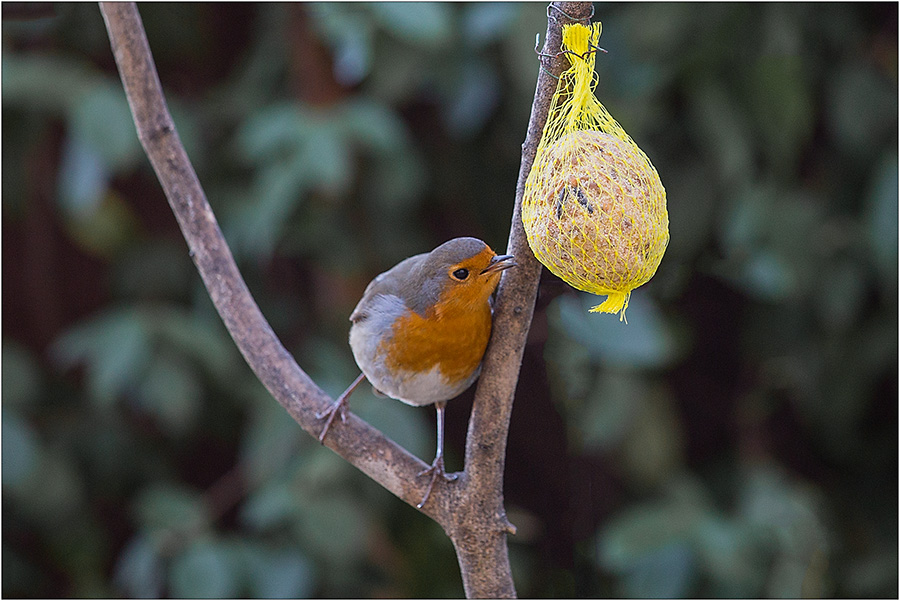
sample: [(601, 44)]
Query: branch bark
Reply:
[(471, 509), (480, 536), (365, 447)]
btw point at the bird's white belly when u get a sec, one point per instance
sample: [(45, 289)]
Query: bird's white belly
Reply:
[(423, 388)]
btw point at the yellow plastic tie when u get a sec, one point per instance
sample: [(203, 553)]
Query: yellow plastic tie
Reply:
[(614, 303), (577, 40)]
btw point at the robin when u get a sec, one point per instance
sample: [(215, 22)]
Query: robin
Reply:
[(420, 331)]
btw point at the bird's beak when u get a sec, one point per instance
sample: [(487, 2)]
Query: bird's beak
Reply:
[(499, 263)]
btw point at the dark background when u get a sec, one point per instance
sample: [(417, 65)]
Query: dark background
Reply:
[(738, 437)]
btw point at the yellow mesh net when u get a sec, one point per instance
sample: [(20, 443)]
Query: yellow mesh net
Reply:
[(594, 209)]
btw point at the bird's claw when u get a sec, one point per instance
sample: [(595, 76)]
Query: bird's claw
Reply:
[(437, 471), (336, 408)]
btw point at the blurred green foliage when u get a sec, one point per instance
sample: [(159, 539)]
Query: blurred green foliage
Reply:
[(737, 438)]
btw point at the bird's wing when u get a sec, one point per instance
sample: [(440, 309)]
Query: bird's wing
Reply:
[(386, 283)]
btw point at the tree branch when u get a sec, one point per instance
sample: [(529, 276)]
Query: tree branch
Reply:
[(471, 510), (480, 539), (362, 445)]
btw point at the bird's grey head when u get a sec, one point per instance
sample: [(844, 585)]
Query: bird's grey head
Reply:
[(434, 269)]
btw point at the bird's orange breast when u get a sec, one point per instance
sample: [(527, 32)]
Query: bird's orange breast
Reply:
[(455, 343)]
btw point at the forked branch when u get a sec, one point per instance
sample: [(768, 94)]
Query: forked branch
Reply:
[(471, 509)]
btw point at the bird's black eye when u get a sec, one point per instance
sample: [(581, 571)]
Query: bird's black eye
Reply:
[(461, 274)]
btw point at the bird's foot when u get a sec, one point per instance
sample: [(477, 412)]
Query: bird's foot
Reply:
[(336, 408), (436, 471)]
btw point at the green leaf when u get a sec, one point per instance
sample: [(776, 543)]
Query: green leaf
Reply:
[(484, 22), (645, 342), (782, 511), (274, 130), (654, 446), (407, 426), (473, 100), (205, 341), (640, 531), (204, 571), (170, 391), (321, 473), (724, 131), (84, 177), (570, 368), (767, 275), (766, 232), (778, 89), (281, 185), (115, 348), (350, 36), (691, 225), (644, 528), (21, 451), (372, 125), (396, 183), (353, 56), (610, 409), (743, 226), (255, 228), (403, 80), (786, 578), (139, 571), (102, 120), (657, 29), (45, 83), (270, 506), (333, 526), (664, 573), (325, 156), (732, 556), (271, 439), (862, 107), (280, 574), (164, 510), (54, 492), (842, 294), (423, 23), (881, 220), (21, 382)]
